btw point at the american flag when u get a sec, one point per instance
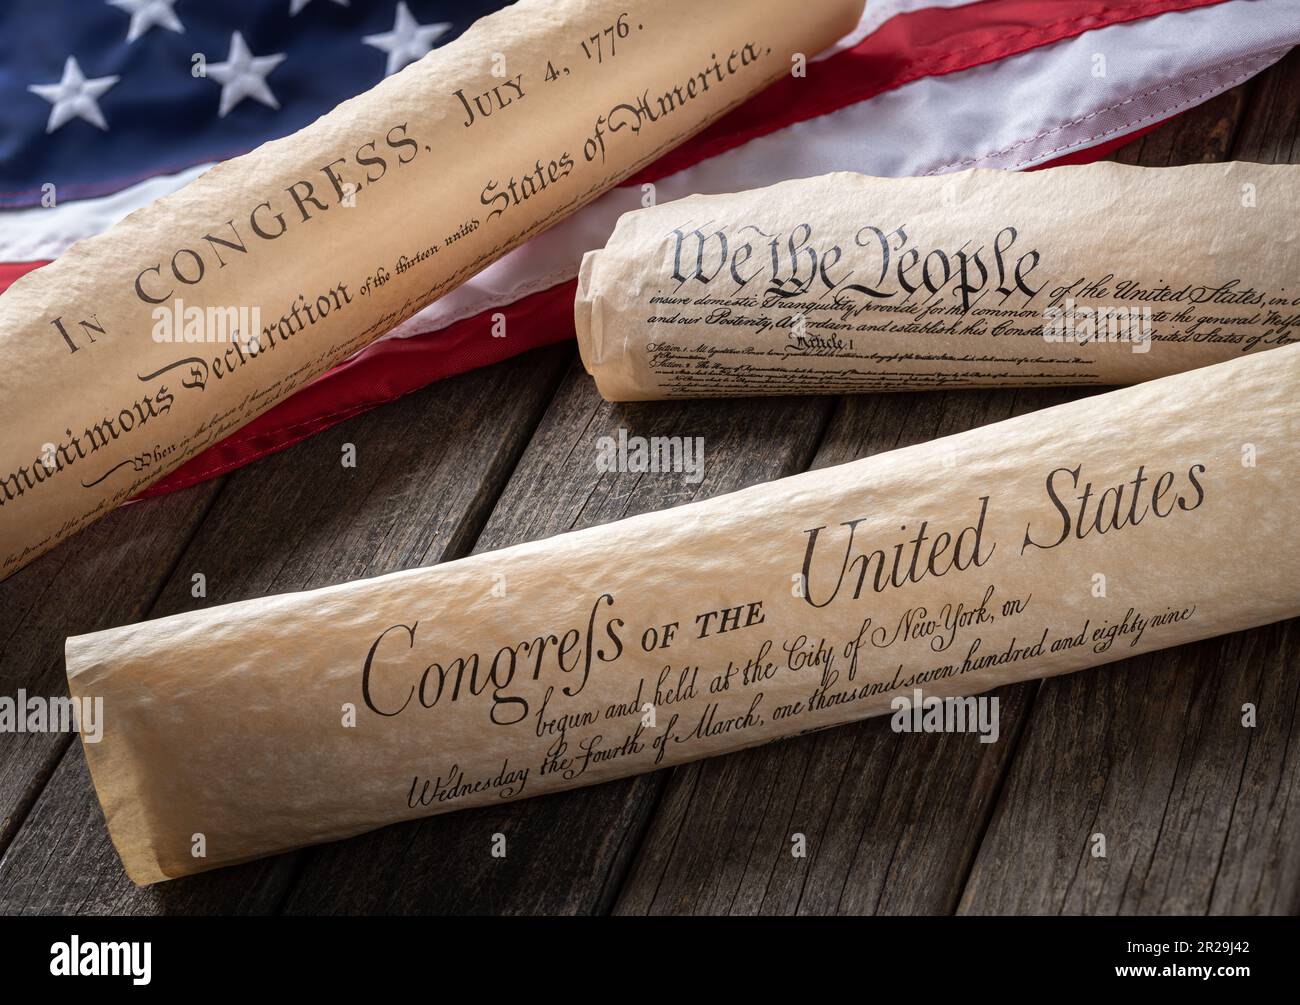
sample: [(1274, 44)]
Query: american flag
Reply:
[(108, 104)]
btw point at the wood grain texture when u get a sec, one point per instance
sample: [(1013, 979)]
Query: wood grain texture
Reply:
[(565, 853), (108, 575), (428, 469), (1199, 813)]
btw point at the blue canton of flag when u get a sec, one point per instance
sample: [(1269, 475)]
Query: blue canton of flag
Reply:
[(97, 95)]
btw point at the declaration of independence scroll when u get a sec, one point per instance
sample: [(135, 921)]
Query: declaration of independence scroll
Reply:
[(142, 346), (1062, 539), (1103, 274)]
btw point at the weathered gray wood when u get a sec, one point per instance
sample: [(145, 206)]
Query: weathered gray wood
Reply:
[(565, 852), (428, 469), (107, 575), (1198, 812)]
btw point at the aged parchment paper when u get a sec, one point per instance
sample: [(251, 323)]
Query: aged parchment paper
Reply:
[(1063, 539), (140, 347), (1099, 274)]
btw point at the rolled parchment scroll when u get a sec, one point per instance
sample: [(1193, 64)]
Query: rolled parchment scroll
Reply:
[(1103, 274), (140, 347), (1063, 539)]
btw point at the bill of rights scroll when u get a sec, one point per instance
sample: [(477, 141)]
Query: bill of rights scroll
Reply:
[(1130, 521)]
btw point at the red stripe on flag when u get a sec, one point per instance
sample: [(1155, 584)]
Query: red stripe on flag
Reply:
[(923, 43), (11, 271)]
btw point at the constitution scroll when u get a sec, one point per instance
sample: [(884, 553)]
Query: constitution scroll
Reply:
[(1103, 274), (948, 568), (142, 346)]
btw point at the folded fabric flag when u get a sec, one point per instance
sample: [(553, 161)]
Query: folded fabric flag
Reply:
[(122, 102)]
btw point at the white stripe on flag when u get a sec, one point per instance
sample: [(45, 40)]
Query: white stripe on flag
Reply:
[(39, 234)]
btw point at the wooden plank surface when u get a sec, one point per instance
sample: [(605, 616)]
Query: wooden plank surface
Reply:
[(108, 575), (1199, 813)]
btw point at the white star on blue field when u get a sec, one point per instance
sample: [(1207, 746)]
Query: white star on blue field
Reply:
[(96, 95)]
